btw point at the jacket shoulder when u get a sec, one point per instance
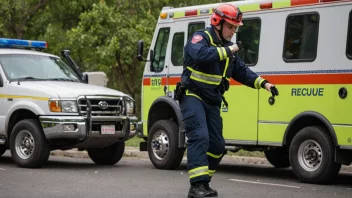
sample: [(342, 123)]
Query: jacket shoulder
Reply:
[(201, 33)]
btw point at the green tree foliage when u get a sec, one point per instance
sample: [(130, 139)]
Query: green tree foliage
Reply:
[(16, 14), (101, 34), (106, 38)]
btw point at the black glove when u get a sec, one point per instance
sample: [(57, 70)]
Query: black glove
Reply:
[(274, 91), (239, 44)]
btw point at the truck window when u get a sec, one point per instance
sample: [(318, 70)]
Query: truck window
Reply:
[(349, 38), (160, 50), (249, 35), (194, 26), (177, 49), (301, 37)]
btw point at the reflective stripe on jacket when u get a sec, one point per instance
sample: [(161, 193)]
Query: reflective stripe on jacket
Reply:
[(207, 61)]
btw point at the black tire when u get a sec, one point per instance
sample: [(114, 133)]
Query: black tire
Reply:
[(109, 155), (321, 150), (28, 145), (168, 156), (278, 157), (2, 150)]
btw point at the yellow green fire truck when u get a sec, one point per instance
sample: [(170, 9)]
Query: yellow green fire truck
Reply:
[(304, 47)]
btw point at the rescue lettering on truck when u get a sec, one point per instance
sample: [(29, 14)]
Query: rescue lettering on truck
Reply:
[(303, 47), (307, 92)]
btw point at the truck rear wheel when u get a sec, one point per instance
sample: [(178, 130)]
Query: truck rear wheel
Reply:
[(312, 155), (28, 145), (278, 157), (163, 145), (109, 155)]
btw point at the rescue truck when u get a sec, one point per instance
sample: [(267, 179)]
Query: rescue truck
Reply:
[(303, 47), (47, 103)]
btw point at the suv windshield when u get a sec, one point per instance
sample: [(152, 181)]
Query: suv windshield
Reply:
[(36, 67)]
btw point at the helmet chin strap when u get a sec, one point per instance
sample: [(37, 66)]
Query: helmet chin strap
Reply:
[(220, 31)]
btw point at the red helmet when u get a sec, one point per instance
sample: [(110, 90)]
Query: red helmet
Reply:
[(230, 13)]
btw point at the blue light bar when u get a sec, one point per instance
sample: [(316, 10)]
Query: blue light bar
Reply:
[(17, 43)]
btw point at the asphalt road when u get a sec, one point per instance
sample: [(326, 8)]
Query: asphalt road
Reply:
[(133, 177)]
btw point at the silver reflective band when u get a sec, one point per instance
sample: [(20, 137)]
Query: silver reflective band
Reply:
[(222, 53), (207, 79), (203, 170)]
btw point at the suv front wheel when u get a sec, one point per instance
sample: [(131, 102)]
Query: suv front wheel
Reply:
[(2, 150), (28, 145), (109, 155)]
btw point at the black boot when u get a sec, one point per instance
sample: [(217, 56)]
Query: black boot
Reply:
[(201, 190), (213, 192)]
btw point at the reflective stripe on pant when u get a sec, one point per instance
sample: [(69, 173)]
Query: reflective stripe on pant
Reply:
[(203, 125)]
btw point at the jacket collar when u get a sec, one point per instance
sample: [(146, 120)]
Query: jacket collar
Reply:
[(216, 40)]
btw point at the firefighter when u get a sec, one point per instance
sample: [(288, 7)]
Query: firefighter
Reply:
[(209, 63)]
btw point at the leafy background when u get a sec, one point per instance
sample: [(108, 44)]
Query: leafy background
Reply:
[(102, 35)]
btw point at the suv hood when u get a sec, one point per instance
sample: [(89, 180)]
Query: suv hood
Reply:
[(69, 89)]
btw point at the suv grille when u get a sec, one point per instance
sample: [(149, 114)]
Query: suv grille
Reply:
[(101, 105)]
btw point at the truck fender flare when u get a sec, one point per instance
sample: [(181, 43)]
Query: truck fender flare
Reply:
[(165, 101), (310, 114), (25, 105)]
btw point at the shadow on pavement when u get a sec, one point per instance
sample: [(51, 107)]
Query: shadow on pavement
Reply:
[(343, 179), (57, 163)]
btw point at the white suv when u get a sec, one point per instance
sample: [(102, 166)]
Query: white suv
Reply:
[(46, 104)]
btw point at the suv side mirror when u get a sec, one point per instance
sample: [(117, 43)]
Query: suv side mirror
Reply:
[(140, 50), (85, 78)]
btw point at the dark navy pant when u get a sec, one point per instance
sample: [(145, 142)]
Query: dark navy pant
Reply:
[(206, 145)]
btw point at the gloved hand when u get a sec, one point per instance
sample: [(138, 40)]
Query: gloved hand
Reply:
[(274, 91), (234, 48), (239, 44), (270, 87)]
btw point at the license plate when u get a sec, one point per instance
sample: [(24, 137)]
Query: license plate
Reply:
[(107, 129)]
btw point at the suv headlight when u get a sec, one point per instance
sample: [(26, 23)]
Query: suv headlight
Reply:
[(66, 106), (130, 106)]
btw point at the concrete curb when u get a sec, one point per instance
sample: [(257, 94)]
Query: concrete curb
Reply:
[(135, 153), (75, 153)]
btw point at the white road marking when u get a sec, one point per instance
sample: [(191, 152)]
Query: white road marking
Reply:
[(271, 184), (2, 169)]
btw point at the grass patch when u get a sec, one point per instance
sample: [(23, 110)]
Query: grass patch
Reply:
[(129, 155), (247, 153), (134, 142), (242, 153)]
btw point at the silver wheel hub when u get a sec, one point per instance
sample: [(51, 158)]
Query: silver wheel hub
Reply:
[(310, 155), (160, 145), (24, 144)]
